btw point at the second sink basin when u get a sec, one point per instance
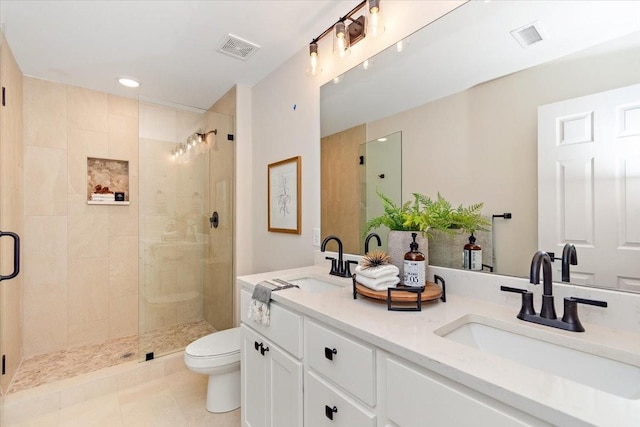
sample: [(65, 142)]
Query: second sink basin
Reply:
[(599, 372)]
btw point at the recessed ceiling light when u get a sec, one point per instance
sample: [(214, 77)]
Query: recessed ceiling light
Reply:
[(128, 82)]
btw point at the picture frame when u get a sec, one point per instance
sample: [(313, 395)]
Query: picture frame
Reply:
[(284, 194)]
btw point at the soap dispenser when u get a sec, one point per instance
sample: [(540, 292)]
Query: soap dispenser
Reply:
[(415, 267), (472, 255)]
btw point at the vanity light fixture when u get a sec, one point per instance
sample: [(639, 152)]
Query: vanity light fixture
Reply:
[(347, 31), (128, 82), (195, 145)]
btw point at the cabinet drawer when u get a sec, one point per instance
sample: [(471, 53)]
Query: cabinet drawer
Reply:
[(345, 412), (416, 397), (285, 328), (341, 359)]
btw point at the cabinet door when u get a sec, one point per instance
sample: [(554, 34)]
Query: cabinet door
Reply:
[(285, 389), (271, 384), (254, 375)]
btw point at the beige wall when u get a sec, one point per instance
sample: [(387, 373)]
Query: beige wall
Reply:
[(11, 217), (480, 145), (219, 276), (80, 261)]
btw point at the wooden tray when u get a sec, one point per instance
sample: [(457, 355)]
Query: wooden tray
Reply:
[(431, 292)]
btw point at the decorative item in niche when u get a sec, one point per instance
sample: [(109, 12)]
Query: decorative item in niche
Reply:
[(284, 195), (107, 181)]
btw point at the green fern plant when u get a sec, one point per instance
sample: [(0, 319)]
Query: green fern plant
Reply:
[(425, 214)]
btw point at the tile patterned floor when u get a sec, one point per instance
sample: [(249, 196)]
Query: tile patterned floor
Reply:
[(47, 368)]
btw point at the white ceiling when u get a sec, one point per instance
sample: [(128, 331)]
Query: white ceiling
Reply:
[(169, 46)]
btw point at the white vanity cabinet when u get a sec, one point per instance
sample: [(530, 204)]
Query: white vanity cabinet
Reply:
[(340, 381), (272, 372), (301, 372), (416, 397)]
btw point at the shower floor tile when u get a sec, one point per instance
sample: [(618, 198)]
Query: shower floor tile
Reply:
[(51, 367)]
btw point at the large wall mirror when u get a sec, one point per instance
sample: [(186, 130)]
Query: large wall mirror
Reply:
[(464, 92)]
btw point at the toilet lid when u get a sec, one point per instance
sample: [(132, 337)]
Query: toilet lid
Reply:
[(217, 344)]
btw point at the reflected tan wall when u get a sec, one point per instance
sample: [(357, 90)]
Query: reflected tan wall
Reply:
[(11, 217), (80, 261), (219, 271), (340, 192)]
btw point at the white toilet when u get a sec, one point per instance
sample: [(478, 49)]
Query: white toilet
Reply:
[(218, 355)]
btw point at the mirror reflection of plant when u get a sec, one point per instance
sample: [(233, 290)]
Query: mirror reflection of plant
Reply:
[(425, 214)]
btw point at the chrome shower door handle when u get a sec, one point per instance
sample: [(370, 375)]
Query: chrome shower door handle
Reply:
[(16, 254)]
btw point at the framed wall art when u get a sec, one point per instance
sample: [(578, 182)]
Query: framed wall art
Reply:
[(284, 195)]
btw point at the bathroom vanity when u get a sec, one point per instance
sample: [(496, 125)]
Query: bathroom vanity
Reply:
[(327, 359)]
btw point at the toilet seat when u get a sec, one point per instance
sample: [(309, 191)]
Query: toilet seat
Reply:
[(217, 349)]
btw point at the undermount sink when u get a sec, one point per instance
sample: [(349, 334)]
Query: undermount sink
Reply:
[(314, 284), (539, 352)]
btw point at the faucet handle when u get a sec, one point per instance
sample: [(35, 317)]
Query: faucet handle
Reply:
[(527, 301), (347, 267), (334, 265), (589, 301), (570, 316)]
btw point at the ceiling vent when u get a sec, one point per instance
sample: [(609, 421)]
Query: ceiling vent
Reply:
[(237, 47), (528, 35)]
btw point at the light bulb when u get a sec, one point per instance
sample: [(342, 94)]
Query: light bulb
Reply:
[(375, 19), (341, 39), (313, 67)]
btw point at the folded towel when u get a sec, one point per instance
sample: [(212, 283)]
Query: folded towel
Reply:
[(259, 306), (380, 284), (379, 271)]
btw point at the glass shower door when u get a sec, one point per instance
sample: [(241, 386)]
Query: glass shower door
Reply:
[(174, 187)]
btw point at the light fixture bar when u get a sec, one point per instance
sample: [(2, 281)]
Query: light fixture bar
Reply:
[(347, 16)]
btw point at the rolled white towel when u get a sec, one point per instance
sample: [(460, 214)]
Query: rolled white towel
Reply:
[(379, 271), (380, 284)]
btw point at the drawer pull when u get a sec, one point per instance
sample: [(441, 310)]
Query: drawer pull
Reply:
[(329, 352), (263, 350), (257, 346), (329, 411)]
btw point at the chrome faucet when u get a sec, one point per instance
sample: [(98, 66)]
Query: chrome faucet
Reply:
[(542, 260), (547, 316), (366, 241), (338, 268), (569, 256)]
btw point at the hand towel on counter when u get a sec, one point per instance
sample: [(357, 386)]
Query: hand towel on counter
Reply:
[(378, 272), (259, 305), (380, 284)]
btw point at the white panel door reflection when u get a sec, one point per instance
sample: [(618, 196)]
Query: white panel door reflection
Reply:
[(589, 185)]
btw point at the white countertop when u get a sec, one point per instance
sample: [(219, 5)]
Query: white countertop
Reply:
[(410, 335)]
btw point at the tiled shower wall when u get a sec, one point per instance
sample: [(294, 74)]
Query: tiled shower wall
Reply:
[(80, 261)]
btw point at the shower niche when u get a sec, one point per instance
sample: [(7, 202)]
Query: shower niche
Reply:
[(107, 181)]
